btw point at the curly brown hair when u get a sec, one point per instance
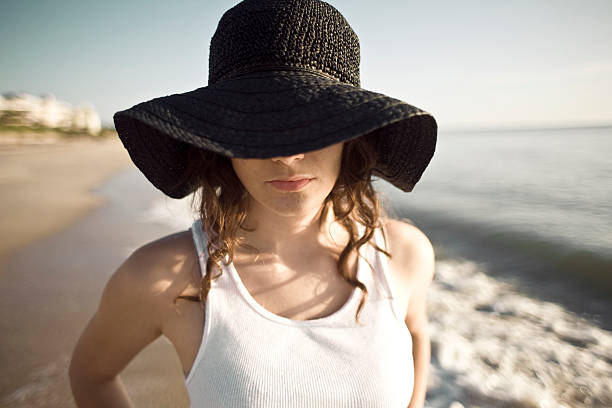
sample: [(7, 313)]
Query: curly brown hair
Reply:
[(221, 202)]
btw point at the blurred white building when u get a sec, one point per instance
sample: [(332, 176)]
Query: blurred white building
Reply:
[(46, 110)]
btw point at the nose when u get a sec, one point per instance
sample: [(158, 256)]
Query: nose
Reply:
[(289, 160)]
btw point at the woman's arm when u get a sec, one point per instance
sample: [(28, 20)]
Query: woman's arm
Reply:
[(417, 323), (415, 259), (126, 321)]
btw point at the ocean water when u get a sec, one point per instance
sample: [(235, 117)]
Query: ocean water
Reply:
[(553, 186), (520, 309), (545, 195), (518, 219), (556, 182)]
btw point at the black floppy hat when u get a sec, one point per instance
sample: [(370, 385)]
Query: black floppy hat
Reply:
[(283, 79)]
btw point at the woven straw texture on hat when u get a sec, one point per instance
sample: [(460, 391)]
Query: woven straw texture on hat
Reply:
[(283, 79)]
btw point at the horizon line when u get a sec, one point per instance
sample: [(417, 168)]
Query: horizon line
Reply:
[(523, 127)]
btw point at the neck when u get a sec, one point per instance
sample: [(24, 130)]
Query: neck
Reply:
[(288, 236)]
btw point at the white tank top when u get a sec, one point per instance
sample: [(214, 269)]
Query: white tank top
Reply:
[(250, 357)]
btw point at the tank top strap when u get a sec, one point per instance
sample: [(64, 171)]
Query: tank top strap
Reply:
[(200, 241), (380, 279), (383, 271)]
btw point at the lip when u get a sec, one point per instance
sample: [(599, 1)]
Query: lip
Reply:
[(291, 184)]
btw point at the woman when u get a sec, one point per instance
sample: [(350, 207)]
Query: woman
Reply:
[(291, 289)]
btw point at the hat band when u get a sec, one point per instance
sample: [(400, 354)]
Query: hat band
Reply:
[(265, 68)]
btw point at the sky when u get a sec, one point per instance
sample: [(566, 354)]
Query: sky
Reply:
[(472, 64)]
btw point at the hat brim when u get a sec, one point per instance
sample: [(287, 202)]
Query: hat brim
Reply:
[(271, 114)]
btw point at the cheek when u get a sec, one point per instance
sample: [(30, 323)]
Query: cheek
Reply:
[(333, 163), (324, 164), (237, 165), (246, 171)]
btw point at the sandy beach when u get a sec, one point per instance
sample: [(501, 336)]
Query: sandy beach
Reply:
[(46, 184), (64, 210), (494, 344)]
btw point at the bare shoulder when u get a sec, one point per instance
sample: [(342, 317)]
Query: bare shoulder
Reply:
[(163, 267), (134, 307), (153, 276), (408, 244), (412, 269)]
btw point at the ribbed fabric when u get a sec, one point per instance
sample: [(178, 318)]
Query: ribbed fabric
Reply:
[(250, 357)]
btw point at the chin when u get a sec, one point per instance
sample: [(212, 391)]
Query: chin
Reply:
[(296, 205)]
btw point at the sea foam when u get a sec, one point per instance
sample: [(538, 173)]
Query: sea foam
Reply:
[(495, 347)]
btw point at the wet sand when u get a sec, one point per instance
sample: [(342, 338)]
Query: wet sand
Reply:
[(51, 288), (62, 237), (491, 345), (46, 181)]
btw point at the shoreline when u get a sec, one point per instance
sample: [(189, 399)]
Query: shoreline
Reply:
[(49, 184), (51, 289), (478, 320)]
